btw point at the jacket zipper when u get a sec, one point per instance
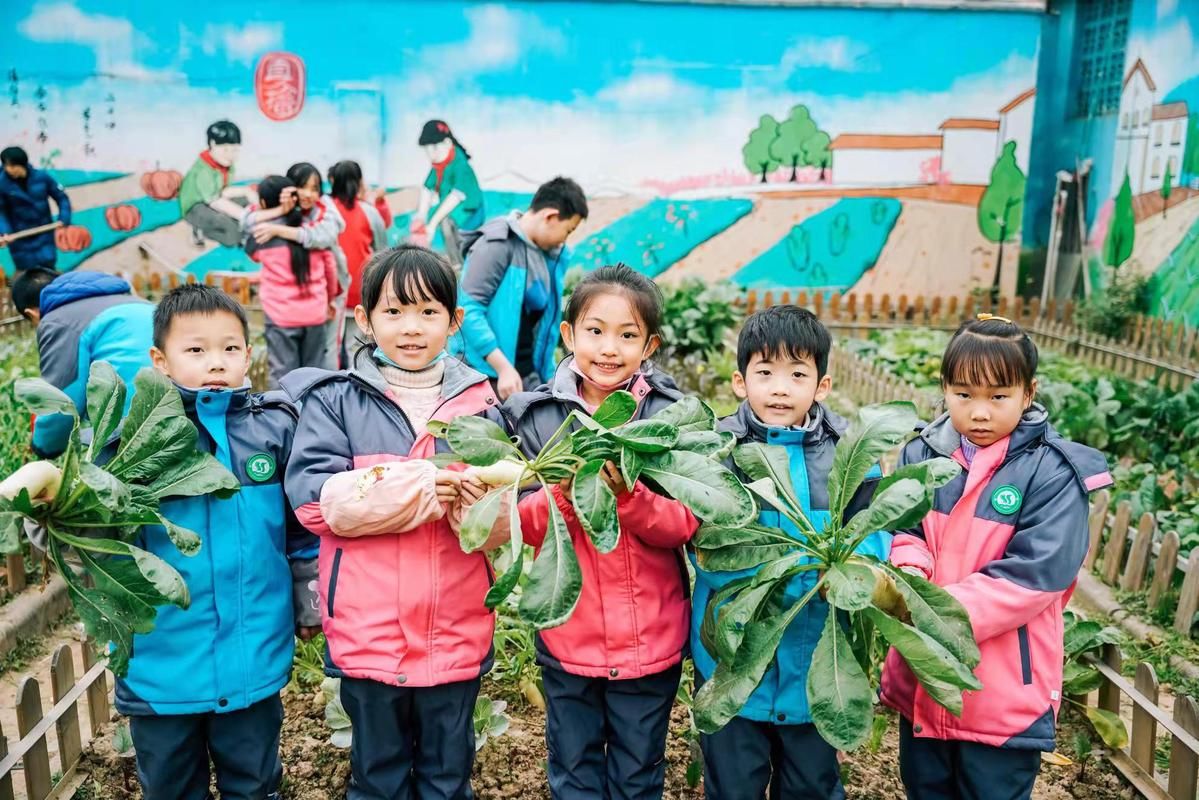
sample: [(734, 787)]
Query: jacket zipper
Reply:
[(333, 579)]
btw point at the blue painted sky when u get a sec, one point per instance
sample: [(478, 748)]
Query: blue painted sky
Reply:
[(545, 51)]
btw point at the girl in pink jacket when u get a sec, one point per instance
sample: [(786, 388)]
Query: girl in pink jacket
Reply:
[(1006, 538), (296, 287), (612, 669), (401, 605)]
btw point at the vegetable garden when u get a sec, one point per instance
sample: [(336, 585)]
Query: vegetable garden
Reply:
[(1153, 432)]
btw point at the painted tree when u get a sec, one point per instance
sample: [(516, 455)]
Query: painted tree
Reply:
[(1167, 179), (757, 150), (816, 152), (1190, 158), (793, 132), (1002, 204), (1121, 229)]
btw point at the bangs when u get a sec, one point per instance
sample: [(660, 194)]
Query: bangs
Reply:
[(972, 360)]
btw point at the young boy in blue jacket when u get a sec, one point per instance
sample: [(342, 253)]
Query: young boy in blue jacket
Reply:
[(782, 379), (204, 684)]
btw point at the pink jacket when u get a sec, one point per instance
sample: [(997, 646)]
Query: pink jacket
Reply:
[(1006, 538), (633, 616), (285, 302), (400, 602)]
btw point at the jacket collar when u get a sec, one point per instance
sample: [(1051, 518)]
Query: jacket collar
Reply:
[(823, 425), (565, 385), (79, 285), (458, 378), (1034, 427), (224, 400)]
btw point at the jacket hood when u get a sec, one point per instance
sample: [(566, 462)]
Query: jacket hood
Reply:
[(1089, 465), (823, 424), (565, 387), (79, 285)]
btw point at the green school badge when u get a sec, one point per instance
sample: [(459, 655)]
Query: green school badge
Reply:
[(1007, 499), (260, 467)]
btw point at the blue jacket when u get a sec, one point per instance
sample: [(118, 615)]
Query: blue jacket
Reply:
[(26, 206), (782, 696), (504, 276), (87, 317), (233, 646)]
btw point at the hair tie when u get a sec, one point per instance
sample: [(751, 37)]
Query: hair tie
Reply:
[(989, 317)]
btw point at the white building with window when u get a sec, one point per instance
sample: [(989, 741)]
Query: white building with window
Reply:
[(1149, 136)]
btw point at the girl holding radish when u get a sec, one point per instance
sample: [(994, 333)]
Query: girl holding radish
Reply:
[(1006, 538), (401, 604), (612, 669)]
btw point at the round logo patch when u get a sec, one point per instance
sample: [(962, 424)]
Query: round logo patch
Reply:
[(260, 467), (1007, 499)]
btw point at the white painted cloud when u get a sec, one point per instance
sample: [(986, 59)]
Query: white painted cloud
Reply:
[(1170, 53), (653, 90), (838, 53), (114, 40), (242, 43), (1165, 8), (497, 39)]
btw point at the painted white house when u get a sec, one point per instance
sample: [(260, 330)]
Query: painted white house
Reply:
[(1015, 124), (968, 149), (1149, 136), (885, 159)]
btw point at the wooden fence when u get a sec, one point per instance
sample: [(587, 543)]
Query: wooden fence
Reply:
[(1151, 348), (31, 754), (1137, 762)]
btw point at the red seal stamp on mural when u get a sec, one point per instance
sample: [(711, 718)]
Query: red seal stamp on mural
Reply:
[(279, 85)]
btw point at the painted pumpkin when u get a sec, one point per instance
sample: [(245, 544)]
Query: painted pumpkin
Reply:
[(279, 85), (73, 238), (162, 184), (123, 217)]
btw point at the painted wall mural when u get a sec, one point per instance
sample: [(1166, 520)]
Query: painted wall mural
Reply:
[(829, 148)]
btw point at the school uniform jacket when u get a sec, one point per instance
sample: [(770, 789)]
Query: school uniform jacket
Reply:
[(233, 645), (400, 602), (1006, 538), (632, 616)]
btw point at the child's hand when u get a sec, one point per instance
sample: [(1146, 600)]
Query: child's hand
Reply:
[(287, 200), (332, 313), (472, 490), (265, 231), (380, 193), (611, 476), (448, 485)]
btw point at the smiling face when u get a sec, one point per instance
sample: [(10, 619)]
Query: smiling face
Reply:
[(781, 387), (986, 414), (309, 192), (410, 334), (204, 351), (609, 341)]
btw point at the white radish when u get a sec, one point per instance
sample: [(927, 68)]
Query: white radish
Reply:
[(502, 473), (40, 478)]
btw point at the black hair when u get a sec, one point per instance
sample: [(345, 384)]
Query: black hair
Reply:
[(563, 195), (784, 331), (15, 156), (989, 352), (436, 130), (194, 298), (346, 178), (642, 293), (301, 172), (269, 190), (27, 288), (224, 132), (417, 275)]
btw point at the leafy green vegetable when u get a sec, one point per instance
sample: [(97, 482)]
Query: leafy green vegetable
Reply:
[(744, 621), (99, 507), (675, 452)]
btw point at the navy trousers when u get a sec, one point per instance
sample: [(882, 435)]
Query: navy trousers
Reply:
[(607, 738), (410, 743), (934, 769), (744, 757), (173, 751)]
